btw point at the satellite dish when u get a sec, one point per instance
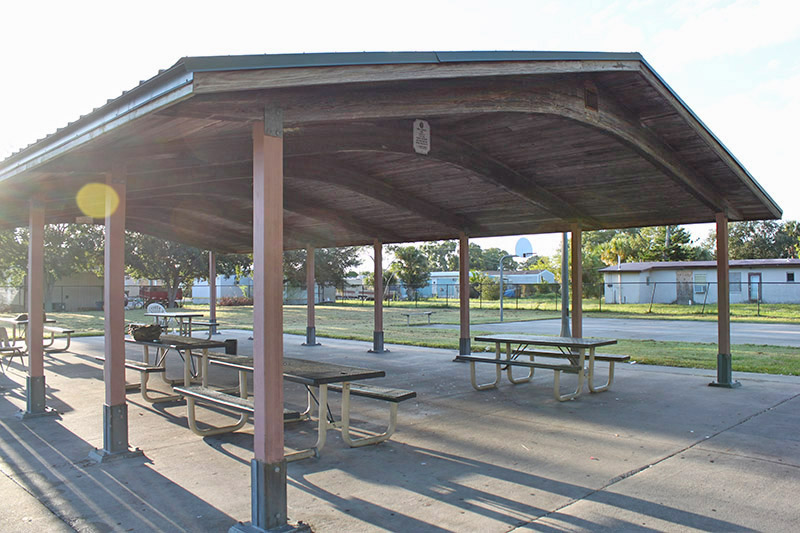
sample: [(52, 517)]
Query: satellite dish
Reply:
[(523, 248)]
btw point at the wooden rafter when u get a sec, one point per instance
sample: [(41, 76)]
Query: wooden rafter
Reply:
[(331, 170)]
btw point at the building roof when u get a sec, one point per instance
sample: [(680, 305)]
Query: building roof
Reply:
[(519, 143), (694, 265)]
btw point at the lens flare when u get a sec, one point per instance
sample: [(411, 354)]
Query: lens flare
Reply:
[(97, 200)]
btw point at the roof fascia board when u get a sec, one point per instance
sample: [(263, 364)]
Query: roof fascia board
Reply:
[(161, 91), (265, 62), (713, 141)]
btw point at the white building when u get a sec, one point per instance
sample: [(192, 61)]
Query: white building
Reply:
[(695, 282)]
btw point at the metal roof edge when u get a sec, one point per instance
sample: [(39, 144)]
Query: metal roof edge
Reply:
[(128, 102), (751, 181), (338, 59)]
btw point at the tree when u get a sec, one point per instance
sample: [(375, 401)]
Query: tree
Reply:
[(411, 267), (480, 259), (69, 249), (174, 263), (441, 255), (759, 239), (331, 265)]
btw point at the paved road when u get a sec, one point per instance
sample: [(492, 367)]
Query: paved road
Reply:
[(661, 330)]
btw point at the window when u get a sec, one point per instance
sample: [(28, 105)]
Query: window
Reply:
[(699, 283), (790, 276), (736, 281)]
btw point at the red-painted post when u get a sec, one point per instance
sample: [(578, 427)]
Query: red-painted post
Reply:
[(35, 381), (212, 291), (115, 408), (268, 468), (724, 359), (311, 328), (377, 334), (464, 347)]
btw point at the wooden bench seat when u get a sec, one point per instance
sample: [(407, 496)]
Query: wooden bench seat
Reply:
[(409, 314), (375, 392), (240, 404), (515, 362), (211, 325), (607, 357), (53, 331), (145, 369)]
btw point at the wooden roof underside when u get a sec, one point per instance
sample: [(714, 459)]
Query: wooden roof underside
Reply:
[(510, 154)]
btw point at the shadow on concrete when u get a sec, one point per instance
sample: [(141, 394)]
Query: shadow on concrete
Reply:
[(51, 463)]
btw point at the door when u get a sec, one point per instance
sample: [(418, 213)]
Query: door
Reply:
[(684, 284), (754, 286)]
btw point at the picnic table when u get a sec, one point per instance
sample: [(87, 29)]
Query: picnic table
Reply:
[(183, 318), (22, 325), (180, 344), (322, 376), (573, 349)]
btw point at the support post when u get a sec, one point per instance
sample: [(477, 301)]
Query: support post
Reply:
[(311, 330), (35, 381), (577, 282), (565, 285), (377, 334), (464, 347), (115, 408), (212, 291), (268, 468), (724, 371)]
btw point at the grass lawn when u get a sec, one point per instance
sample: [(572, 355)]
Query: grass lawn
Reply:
[(354, 321)]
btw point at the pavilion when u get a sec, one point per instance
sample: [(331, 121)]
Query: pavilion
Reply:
[(274, 152)]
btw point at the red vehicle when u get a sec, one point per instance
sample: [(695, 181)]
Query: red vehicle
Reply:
[(157, 294)]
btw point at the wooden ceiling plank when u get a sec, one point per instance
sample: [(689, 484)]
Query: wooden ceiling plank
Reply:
[(303, 205), (446, 148), (330, 170)]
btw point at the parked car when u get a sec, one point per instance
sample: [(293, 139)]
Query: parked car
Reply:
[(157, 294)]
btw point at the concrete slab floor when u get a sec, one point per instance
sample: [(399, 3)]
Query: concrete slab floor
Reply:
[(660, 451)]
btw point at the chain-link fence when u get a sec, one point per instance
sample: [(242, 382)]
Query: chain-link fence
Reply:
[(755, 298)]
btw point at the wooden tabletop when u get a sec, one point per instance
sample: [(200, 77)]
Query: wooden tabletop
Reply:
[(176, 314), (15, 321), (304, 371), (542, 340), (180, 342)]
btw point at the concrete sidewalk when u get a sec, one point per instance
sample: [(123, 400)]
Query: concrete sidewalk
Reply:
[(661, 451)]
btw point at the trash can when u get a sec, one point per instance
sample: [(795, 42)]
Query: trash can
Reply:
[(230, 346)]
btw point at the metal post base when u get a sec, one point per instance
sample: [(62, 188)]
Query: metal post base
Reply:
[(115, 435), (250, 528), (724, 373), (311, 337), (377, 343), (464, 348), (35, 388), (268, 500)]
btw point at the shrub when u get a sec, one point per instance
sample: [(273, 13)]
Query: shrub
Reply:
[(232, 301)]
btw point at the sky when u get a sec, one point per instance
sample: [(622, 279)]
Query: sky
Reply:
[(736, 64)]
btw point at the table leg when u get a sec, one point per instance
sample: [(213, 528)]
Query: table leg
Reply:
[(581, 376), (322, 429), (364, 441), (510, 369), (608, 383), (498, 372)]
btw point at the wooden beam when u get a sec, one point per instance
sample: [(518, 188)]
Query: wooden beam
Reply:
[(446, 148), (330, 170), (344, 219)]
